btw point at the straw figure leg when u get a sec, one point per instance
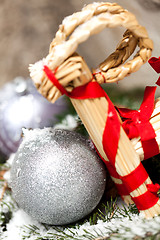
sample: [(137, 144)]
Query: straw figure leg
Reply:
[(132, 171), (93, 113)]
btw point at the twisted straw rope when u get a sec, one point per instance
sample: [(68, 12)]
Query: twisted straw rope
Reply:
[(93, 18)]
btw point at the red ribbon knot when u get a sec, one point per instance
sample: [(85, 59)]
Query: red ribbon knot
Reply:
[(155, 64), (136, 123), (153, 188)]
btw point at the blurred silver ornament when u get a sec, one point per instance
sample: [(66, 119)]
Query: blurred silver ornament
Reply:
[(56, 176), (22, 106)]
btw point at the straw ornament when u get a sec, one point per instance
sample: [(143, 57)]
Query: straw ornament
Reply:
[(65, 72), (93, 18)]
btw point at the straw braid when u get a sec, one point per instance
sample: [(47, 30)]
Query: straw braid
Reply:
[(115, 74), (91, 20)]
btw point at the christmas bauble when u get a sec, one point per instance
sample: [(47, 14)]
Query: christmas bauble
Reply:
[(22, 106), (56, 176)]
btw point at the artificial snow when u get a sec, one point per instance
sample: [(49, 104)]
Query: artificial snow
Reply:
[(69, 123), (138, 226), (15, 226)]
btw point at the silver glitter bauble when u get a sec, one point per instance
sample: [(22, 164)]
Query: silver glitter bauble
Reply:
[(56, 176), (22, 106)]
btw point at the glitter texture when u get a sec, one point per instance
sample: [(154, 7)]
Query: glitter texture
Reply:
[(22, 106), (56, 177)]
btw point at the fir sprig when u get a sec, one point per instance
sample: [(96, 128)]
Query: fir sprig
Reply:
[(107, 211), (6, 211)]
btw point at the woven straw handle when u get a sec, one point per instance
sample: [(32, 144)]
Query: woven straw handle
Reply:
[(93, 18)]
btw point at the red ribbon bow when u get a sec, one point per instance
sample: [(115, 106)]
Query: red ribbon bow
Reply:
[(136, 123), (155, 64), (154, 188)]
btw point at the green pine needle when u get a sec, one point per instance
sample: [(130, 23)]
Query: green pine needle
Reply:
[(106, 212)]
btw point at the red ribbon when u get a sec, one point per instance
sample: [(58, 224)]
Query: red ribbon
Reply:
[(110, 136), (149, 198), (90, 90), (112, 129), (122, 190), (94, 90), (154, 188), (136, 123), (139, 175), (145, 200), (155, 64)]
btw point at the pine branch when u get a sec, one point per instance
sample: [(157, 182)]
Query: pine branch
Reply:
[(106, 212), (6, 212)]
